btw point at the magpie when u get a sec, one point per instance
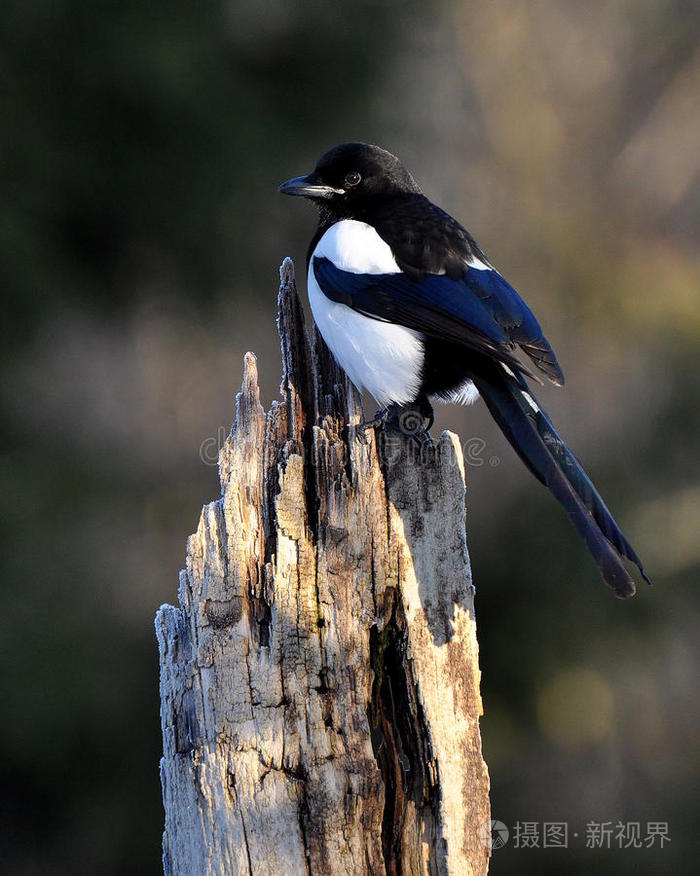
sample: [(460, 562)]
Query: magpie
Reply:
[(414, 311)]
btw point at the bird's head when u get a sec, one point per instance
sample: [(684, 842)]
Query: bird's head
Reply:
[(352, 175)]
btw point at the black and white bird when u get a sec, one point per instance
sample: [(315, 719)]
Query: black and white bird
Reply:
[(413, 310)]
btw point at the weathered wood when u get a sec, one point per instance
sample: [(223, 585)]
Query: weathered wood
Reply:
[(319, 679)]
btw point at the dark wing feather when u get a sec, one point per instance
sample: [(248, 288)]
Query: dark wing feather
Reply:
[(436, 306), (482, 313), (510, 312), (425, 240)]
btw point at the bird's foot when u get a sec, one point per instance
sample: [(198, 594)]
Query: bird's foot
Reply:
[(413, 420), (378, 421)]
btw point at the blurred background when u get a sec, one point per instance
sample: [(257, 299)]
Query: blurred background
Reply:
[(140, 239)]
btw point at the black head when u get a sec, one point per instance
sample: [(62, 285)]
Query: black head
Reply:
[(351, 175)]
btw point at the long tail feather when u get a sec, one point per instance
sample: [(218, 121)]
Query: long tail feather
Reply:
[(532, 435)]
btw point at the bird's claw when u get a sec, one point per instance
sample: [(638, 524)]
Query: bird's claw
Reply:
[(412, 421), (378, 421)]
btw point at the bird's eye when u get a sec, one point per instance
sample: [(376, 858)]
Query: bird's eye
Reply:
[(352, 179)]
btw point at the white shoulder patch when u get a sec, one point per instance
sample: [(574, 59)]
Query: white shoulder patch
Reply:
[(381, 357), (356, 247)]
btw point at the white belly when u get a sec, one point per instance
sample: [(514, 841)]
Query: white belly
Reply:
[(383, 358)]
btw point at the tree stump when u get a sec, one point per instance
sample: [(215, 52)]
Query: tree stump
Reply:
[(319, 680)]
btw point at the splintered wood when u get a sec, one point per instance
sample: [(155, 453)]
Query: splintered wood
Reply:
[(319, 679)]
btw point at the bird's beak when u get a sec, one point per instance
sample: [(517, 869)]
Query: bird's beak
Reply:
[(308, 187)]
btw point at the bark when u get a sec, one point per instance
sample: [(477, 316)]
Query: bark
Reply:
[(319, 678)]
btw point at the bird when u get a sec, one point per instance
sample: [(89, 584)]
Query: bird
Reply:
[(413, 311)]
